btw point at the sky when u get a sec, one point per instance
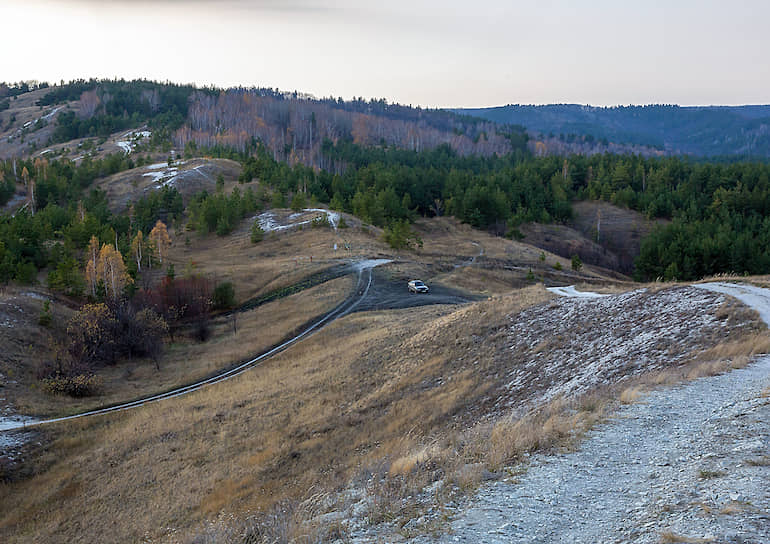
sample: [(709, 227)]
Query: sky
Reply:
[(450, 53)]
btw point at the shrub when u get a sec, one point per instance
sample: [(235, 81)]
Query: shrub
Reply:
[(81, 385), (557, 266), (401, 236), (90, 335), (45, 318), (321, 221), (577, 264), (257, 233), (223, 297), (202, 328)]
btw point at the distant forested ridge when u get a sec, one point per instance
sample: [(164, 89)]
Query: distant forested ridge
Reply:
[(709, 131), (292, 126)]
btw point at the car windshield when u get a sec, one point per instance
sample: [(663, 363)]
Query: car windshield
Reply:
[(418, 283)]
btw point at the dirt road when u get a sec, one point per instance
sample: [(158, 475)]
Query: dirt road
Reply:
[(365, 279), (373, 291), (688, 464)]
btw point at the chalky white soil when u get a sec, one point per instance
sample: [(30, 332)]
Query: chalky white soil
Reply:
[(690, 462)]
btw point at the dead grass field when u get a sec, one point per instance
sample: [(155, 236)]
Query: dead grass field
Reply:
[(315, 414), (25, 111), (282, 259), (390, 401), (183, 362), (403, 399)]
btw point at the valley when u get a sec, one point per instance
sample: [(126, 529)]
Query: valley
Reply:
[(208, 336)]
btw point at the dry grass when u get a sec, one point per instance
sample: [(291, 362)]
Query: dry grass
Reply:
[(630, 395), (737, 507), (705, 474), (397, 405), (763, 461), (281, 259), (315, 414), (131, 185), (668, 537), (393, 400), (188, 360)]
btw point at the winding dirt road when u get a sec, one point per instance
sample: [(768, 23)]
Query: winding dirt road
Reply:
[(362, 268)]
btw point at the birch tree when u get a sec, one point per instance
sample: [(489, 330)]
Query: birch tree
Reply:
[(161, 239)]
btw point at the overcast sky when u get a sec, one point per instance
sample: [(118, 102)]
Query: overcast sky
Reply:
[(433, 53)]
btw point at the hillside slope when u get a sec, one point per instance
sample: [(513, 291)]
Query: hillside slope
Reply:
[(684, 465), (715, 131)]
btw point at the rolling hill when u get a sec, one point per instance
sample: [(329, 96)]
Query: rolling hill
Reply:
[(708, 131)]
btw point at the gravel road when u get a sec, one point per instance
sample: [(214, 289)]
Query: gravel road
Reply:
[(392, 294), (685, 464)]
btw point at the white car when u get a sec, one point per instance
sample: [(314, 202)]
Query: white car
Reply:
[(416, 286)]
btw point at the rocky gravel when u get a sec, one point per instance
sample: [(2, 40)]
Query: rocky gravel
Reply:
[(684, 464)]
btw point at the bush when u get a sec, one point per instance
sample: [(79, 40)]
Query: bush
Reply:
[(45, 318), (577, 264), (223, 297), (257, 233), (401, 236), (321, 221), (202, 329), (81, 385), (557, 266)]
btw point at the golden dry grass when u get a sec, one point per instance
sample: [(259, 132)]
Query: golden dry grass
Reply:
[(630, 395), (315, 413), (396, 393), (735, 508), (187, 360), (668, 537), (131, 185)]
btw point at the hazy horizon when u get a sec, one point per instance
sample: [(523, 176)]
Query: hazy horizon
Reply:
[(433, 54)]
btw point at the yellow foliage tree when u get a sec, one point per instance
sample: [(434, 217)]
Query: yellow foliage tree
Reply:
[(161, 239), (136, 249), (112, 271)]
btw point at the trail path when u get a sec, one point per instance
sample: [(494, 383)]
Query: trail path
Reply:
[(689, 462)]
